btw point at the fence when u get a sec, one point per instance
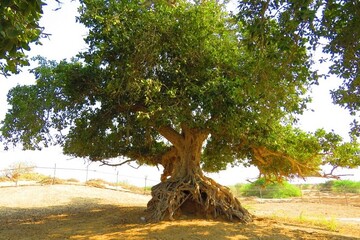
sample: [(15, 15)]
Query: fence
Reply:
[(16, 176), (83, 175)]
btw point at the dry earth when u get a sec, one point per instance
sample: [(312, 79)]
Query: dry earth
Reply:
[(79, 212)]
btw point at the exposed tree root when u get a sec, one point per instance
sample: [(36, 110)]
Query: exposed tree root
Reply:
[(194, 195)]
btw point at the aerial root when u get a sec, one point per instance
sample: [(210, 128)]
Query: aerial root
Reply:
[(195, 195)]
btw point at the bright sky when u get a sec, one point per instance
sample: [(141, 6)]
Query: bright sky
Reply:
[(66, 41)]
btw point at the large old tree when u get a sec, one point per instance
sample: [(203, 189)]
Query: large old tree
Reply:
[(188, 86)]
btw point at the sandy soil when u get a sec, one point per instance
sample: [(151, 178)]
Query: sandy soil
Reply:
[(79, 212)]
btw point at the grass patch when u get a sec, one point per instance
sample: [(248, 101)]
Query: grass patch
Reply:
[(132, 188), (32, 176), (51, 180), (98, 183), (330, 224), (72, 180)]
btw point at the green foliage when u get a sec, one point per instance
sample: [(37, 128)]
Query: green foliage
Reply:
[(261, 188), (340, 186), (345, 186), (18, 28), (155, 72), (336, 152), (331, 26), (341, 19)]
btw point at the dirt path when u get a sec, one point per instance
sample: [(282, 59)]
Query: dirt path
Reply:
[(79, 212)]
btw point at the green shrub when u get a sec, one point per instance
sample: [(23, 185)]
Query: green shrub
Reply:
[(270, 190), (346, 186)]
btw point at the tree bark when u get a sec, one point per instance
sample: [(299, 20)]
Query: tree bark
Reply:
[(184, 190), (189, 154)]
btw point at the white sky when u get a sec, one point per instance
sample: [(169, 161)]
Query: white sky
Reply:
[(66, 41)]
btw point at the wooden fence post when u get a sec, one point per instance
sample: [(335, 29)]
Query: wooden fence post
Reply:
[(145, 184), (54, 176), (117, 179)]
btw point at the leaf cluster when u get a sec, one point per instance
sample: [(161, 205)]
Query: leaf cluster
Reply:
[(19, 26), (331, 26)]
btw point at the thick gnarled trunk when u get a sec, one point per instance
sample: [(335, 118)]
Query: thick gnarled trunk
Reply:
[(185, 190), (189, 154)]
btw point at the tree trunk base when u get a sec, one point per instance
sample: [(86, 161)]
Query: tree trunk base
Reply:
[(196, 196)]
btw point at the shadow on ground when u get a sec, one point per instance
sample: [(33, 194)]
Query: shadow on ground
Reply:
[(89, 219)]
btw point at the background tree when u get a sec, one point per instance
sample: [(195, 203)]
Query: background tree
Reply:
[(185, 85), (19, 26)]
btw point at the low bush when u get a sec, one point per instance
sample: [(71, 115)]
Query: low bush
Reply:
[(51, 180), (340, 186), (32, 176), (270, 190), (3, 179), (98, 183), (346, 186), (72, 180)]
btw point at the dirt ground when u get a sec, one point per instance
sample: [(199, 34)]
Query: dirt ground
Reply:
[(79, 212)]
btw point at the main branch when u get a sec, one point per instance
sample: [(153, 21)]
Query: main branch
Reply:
[(171, 135)]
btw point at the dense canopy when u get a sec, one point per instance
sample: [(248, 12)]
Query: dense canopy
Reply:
[(191, 87), (19, 26)]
